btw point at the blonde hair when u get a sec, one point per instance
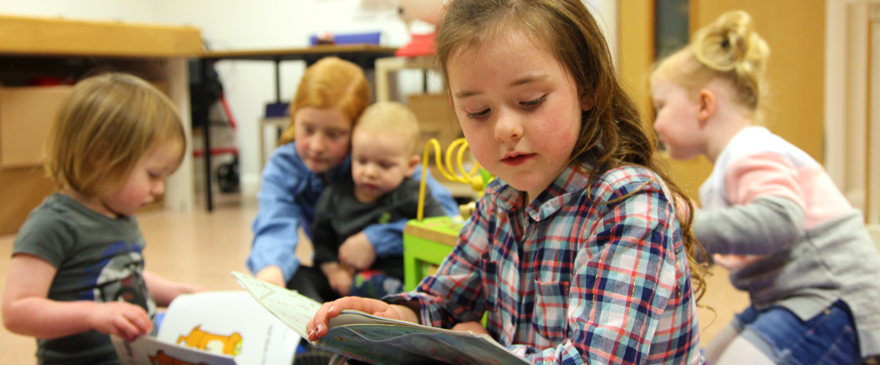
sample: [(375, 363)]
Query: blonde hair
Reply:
[(104, 127), (729, 49), (330, 82), (612, 132), (393, 117)]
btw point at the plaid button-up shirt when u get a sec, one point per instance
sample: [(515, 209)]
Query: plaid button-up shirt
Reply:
[(570, 279)]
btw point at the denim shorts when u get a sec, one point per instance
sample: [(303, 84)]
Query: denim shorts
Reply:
[(827, 338)]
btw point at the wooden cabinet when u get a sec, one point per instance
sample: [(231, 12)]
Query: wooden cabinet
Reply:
[(62, 49)]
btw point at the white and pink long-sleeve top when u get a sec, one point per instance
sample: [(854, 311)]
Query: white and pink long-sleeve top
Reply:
[(767, 197)]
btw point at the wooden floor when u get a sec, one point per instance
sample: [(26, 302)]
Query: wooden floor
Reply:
[(202, 248)]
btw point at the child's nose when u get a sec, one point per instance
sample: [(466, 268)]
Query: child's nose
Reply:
[(159, 188), (508, 127), (318, 143), (371, 170)]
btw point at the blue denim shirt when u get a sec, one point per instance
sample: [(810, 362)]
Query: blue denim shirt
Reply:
[(287, 197)]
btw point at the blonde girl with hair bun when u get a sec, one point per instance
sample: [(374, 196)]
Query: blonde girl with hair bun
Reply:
[(770, 213), (77, 270), (315, 152), (576, 252)]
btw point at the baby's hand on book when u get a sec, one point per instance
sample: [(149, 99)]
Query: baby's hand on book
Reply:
[(123, 319), (473, 326)]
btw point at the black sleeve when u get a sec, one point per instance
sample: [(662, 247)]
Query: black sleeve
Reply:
[(323, 235), (409, 207), (432, 206)]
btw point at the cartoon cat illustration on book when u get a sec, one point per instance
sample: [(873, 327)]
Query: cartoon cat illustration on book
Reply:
[(230, 345)]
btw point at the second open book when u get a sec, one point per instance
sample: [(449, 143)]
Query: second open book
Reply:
[(378, 340)]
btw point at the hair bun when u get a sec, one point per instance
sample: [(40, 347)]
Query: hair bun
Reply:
[(730, 43)]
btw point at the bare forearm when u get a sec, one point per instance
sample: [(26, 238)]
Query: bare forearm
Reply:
[(271, 274), (330, 268), (164, 290), (45, 318)]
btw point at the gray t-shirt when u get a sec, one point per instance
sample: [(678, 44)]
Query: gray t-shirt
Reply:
[(98, 258)]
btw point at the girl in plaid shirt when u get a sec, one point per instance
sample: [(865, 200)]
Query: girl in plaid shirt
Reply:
[(575, 252)]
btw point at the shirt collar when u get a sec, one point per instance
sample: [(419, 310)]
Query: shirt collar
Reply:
[(567, 186)]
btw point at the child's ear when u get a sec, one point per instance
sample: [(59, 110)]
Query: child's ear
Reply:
[(413, 162), (586, 103), (708, 104)]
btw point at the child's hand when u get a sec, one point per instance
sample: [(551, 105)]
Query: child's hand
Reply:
[(358, 252), (473, 326), (123, 319), (340, 280), (317, 327), (272, 275)]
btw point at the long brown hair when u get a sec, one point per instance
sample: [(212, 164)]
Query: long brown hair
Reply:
[(330, 82), (612, 133)]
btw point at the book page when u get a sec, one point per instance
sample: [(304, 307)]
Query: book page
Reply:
[(228, 322), (292, 308), (392, 344), (296, 310), (147, 350), (379, 340)]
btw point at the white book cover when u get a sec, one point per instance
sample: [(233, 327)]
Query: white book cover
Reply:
[(222, 323), (147, 350)]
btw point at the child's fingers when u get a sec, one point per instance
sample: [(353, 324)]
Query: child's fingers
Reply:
[(139, 318), (365, 305), (317, 327), (125, 328)]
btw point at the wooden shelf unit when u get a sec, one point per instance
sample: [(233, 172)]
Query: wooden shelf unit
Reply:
[(67, 49)]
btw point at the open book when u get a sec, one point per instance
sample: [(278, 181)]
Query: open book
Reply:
[(378, 340), (148, 350), (213, 328)]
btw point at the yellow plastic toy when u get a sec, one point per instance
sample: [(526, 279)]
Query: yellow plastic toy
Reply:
[(477, 178), (427, 241)]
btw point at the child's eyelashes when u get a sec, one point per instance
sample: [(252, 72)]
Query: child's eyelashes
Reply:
[(528, 104), (535, 102), (479, 115), (382, 164), (333, 136)]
